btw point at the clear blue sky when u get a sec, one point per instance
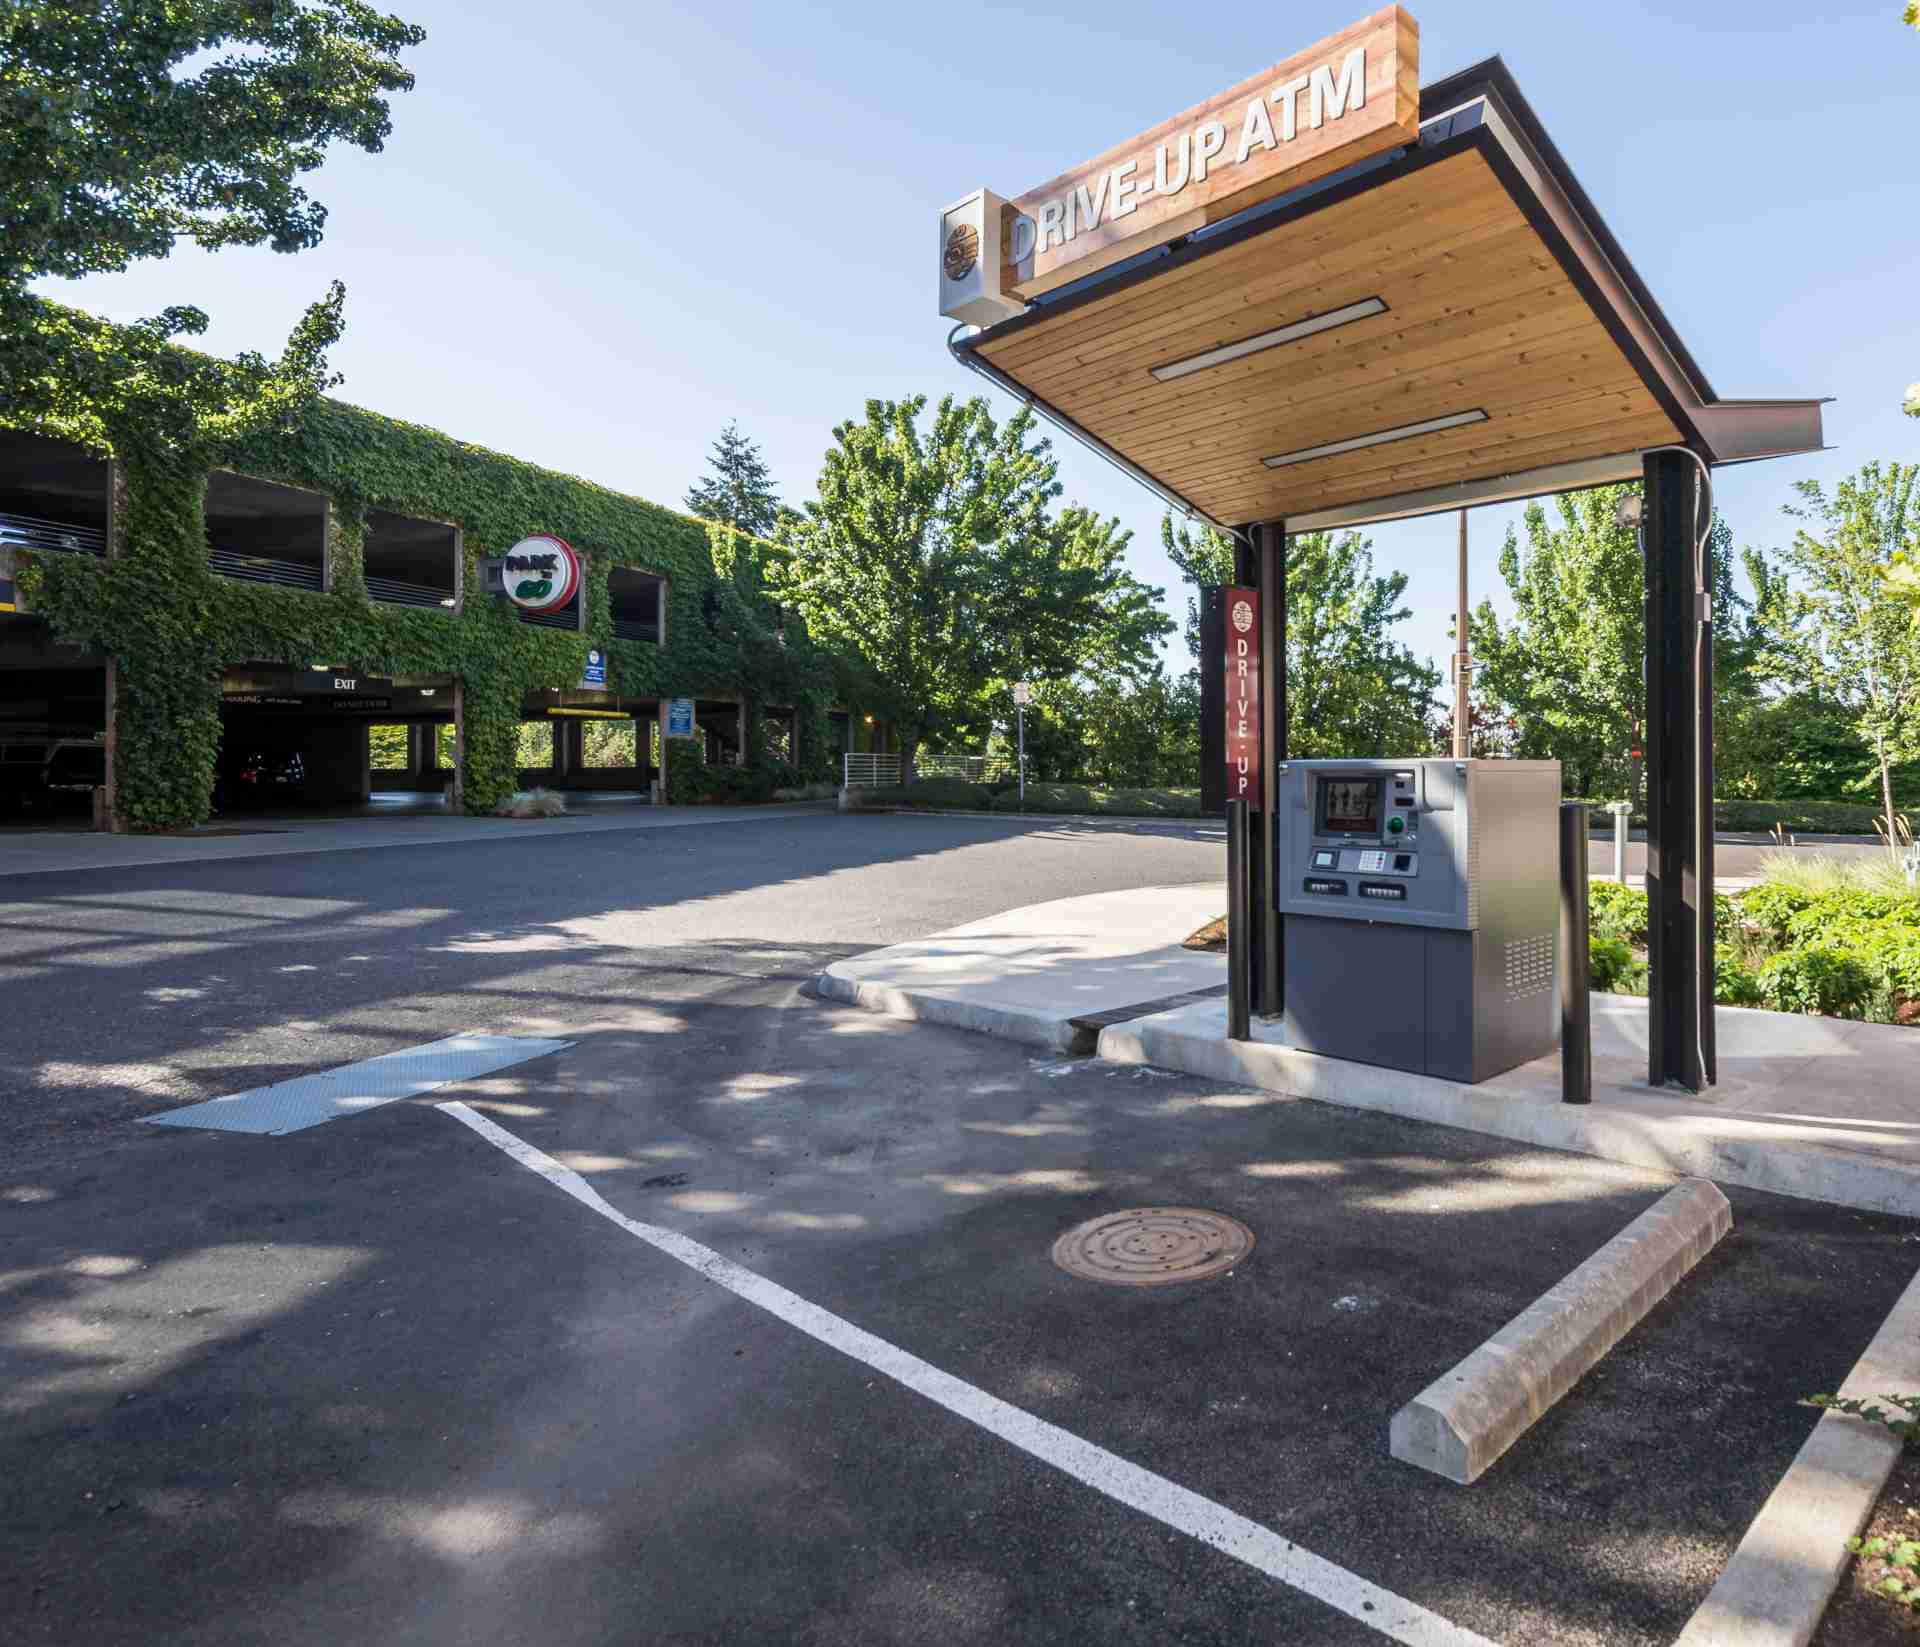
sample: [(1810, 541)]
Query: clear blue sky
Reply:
[(602, 229)]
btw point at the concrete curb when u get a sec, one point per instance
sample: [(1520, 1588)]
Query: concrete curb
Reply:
[(1775, 1589), (1637, 1130), (1036, 817), (1465, 1419), (1041, 1029)]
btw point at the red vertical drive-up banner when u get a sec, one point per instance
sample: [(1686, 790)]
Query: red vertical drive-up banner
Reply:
[(1243, 696)]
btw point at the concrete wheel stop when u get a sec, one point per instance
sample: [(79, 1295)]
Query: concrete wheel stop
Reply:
[(1465, 1419)]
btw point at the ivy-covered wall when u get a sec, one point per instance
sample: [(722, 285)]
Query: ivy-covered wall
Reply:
[(172, 626)]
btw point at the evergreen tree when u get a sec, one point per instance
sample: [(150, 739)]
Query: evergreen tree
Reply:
[(737, 489)]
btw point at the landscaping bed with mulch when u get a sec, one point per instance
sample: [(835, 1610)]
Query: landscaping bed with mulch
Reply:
[(1858, 1616)]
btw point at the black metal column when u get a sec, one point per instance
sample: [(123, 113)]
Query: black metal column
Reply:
[(1679, 750), (1213, 700), (1270, 545)]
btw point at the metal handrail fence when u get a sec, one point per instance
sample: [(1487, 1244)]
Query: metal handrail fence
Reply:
[(869, 771)]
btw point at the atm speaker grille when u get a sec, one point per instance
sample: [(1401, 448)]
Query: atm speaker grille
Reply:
[(1529, 967)]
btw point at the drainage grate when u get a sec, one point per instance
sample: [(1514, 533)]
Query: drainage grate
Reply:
[(290, 1106), (1153, 1246)]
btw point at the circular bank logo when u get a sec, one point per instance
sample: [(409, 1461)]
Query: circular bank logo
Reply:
[(542, 573), (963, 251), (1243, 615)]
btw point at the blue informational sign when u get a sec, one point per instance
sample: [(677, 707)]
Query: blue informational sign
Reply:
[(595, 672), (679, 717)]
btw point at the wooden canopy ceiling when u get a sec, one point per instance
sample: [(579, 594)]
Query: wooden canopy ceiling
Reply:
[(1503, 295), (1479, 317)]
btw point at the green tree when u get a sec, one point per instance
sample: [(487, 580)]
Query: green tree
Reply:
[(934, 561), (1352, 689), (737, 490), (1205, 557), (1844, 632), (1569, 669), (127, 127)]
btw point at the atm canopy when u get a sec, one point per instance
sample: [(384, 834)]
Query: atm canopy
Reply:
[(1456, 326)]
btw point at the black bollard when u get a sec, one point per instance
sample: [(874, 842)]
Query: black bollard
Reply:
[(1576, 1004), (1239, 927)]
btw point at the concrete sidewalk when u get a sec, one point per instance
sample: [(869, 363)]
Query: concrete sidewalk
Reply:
[(1029, 974), (1811, 1107), (29, 852)]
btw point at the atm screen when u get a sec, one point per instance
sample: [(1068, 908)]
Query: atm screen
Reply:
[(1349, 806)]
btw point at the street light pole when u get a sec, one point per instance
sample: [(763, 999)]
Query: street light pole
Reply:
[(1462, 698), (1021, 692)]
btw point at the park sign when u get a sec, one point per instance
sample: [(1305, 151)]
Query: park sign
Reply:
[(1353, 95), (542, 573)]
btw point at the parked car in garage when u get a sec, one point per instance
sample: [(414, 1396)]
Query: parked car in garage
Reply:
[(259, 777), (44, 775)]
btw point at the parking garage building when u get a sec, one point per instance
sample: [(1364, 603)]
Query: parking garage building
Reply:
[(334, 576)]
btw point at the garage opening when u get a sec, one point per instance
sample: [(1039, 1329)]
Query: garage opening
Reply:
[(332, 739), (53, 717), (639, 604), (411, 562), (262, 532), (54, 496)]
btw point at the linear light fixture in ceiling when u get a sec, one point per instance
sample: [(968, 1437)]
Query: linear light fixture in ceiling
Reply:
[(1380, 437), (1267, 340)]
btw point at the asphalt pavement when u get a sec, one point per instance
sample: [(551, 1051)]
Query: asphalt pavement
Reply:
[(380, 1382)]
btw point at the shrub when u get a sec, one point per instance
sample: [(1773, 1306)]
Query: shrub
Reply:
[(1048, 797), (806, 792), (1736, 984), (1888, 950), (1153, 803), (532, 803), (1850, 911), (953, 793), (1823, 981), (1616, 911), (1613, 968), (1802, 817), (1771, 907), (736, 785)]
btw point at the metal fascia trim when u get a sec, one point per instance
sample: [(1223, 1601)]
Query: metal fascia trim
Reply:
[(1570, 238), (1526, 483)]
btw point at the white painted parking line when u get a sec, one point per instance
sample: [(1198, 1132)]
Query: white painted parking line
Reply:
[(1152, 1495), (292, 1106)]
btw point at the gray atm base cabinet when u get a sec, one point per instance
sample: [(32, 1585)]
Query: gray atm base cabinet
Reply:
[(1452, 972), (1405, 997)]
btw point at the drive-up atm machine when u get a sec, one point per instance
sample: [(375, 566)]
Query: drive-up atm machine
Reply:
[(1422, 906)]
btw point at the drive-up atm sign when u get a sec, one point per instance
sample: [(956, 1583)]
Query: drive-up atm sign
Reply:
[(1243, 695)]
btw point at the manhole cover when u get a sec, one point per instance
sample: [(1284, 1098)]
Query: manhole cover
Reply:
[(1151, 1246)]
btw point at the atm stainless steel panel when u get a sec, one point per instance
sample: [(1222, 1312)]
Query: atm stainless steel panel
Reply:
[(1453, 974)]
